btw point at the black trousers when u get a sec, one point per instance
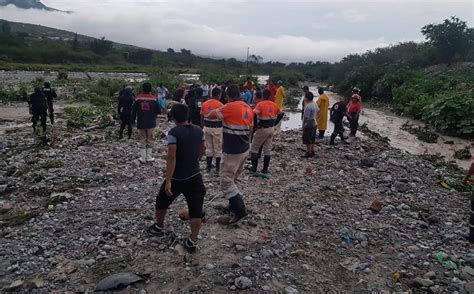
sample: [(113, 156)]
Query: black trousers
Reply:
[(471, 219), (51, 111), (354, 122), (39, 116), (338, 130)]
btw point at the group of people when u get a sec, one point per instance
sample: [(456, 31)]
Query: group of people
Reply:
[(228, 124), (221, 125), (40, 104)]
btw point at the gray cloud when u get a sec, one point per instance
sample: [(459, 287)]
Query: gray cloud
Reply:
[(277, 30)]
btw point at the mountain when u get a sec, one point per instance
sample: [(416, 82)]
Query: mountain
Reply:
[(27, 4), (33, 31)]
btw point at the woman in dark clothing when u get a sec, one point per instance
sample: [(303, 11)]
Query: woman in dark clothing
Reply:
[(125, 111)]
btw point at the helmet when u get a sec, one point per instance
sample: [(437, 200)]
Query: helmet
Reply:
[(279, 82), (355, 89)]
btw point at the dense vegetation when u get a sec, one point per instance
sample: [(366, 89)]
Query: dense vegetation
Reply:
[(432, 81)]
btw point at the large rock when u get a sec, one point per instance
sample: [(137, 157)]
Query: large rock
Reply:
[(243, 283)]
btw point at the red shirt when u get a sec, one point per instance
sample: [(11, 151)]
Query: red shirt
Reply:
[(273, 90)]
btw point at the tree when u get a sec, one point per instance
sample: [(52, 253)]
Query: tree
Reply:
[(255, 58), (170, 50), (141, 56), (6, 28), (451, 38), (75, 43), (185, 52), (102, 46)]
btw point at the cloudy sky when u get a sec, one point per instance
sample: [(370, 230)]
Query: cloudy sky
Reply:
[(276, 30)]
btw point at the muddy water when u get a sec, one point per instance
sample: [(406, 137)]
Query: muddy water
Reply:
[(389, 125)]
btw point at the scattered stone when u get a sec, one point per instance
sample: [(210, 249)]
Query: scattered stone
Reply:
[(6, 207), (430, 275), (290, 290), (420, 282), (367, 162), (180, 250), (14, 286), (299, 252), (243, 283), (376, 205)]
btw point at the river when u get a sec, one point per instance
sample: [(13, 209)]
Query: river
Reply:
[(389, 125)]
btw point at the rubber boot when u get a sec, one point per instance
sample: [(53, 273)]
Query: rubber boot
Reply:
[(254, 159), (333, 137), (218, 164), (51, 118), (143, 154), (149, 155), (122, 128), (266, 164), (129, 131), (238, 207), (209, 164)]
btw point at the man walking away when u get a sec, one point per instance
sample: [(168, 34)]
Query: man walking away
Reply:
[(338, 111), (125, 111), (322, 116), (144, 111), (309, 124), (354, 108), (268, 115), (185, 149), (50, 95), (237, 121), (212, 130), (38, 107)]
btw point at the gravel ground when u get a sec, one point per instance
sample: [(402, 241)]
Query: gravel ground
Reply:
[(73, 211)]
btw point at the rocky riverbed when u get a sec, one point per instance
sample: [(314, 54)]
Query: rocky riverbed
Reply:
[(74, 210)]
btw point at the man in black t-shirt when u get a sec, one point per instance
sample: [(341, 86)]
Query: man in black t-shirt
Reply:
[(183, 176), (338, 111)]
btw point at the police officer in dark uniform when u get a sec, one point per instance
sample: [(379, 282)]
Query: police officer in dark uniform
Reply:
[(338, 111), (38, 108), (195, 104), (50, 95), (125, 110)]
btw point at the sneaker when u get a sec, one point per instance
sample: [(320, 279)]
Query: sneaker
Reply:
[(190, 246), (155, 230)]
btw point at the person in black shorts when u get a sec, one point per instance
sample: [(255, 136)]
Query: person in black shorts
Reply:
[(183, 176)]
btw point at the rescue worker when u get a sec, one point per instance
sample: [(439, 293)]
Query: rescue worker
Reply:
[(354, 108), (50, 95), (322, 115), (38, 106), (267, 114), (338, 112), (212, 130), (195, 104), (125, 111), (273, 89), (237, 121), (185, 150), (144, 111), (467, 180), (280, 97)]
